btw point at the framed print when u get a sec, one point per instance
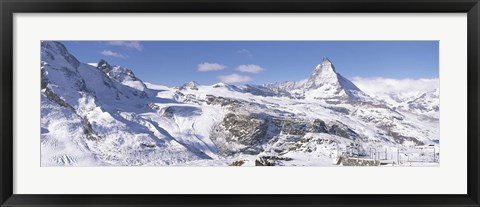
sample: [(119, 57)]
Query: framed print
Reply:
[(200, 103)]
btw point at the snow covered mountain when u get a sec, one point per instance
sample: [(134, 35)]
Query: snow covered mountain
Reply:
[(92, 118), (288, 88), (404, 94), (427, 104), (99, 114), (324, 84)]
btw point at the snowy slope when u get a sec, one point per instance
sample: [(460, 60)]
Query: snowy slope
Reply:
[(99, 114)]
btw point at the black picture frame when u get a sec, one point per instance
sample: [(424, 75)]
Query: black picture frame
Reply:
[(10, 7)]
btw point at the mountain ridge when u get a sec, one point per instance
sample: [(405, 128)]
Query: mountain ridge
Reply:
[(94, 115)]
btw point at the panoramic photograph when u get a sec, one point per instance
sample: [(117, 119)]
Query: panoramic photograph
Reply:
[(240, 103)]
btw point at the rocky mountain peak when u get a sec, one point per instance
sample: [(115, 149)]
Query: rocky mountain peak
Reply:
[(104, 66), (192, 85), (54, 46), (326, 64), (115, 72)]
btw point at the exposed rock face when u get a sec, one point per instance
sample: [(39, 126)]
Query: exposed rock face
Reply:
[(56, 99), (44, 78), (291, 127), (104, 66), (88, 130), (345, 161), (318, 126), (402, 139), (253, 130), (259, 90), (249, 131), (169, 112), (124, 76), (300, 127)]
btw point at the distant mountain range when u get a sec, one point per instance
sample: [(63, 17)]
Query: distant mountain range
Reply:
[(99, 114)]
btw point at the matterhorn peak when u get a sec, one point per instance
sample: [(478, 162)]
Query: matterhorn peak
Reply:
[(325, 65), (323, 74)]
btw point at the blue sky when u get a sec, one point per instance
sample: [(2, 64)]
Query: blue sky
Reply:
[(173, 63)]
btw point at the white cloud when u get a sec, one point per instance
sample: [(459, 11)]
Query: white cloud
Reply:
[(245, 52), (128, 44), (234, 78), (110, 53), (394, 90), (204, 67), (249, 68)]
